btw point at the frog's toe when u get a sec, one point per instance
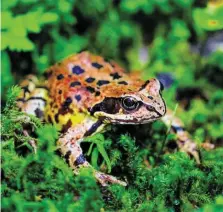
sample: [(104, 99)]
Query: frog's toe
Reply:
[(195, 155), (207, 146), (191, 149), (105, 179)]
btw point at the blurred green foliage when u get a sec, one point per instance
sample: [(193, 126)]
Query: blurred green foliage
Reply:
[(156, 37)]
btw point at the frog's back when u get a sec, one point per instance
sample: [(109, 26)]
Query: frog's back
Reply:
[(82, 80), (80, 75)]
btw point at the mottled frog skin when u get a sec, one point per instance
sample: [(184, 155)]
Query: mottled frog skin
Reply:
[(84, 93)]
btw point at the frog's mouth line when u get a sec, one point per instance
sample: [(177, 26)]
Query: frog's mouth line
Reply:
[(135, 120)]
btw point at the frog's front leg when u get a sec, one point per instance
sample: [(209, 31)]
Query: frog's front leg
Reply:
[(32, 100), (69, 144), (184, 142)]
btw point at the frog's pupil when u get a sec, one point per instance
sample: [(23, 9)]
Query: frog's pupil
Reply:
[(129, 103)]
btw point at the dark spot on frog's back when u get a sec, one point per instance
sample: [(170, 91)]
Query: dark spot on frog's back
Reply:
[(56, 117), (77, 70), (60, 76), (97, 65), (78, 97), (90, 79), (97, 93), (66, 126), (73, 84), (62, 111), (49, 119), (102, 82), (25, 89), (123, 83), (67, 102), (115, 76), (90, 89), (144, 85), (60, 92)]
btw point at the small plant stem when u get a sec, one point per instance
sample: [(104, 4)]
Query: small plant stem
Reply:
[(167, 132)]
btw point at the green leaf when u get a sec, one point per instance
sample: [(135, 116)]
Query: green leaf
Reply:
[(32, 22), (20, 44), (7, 19), (18, 27), (7, 78), (49, 17), (47, 136), (98, 139), (8, 4), (94, 158), (5, 40), (64, 47), (101, 149), (209, 18)]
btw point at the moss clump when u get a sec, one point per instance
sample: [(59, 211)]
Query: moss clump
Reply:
[(156, 182)]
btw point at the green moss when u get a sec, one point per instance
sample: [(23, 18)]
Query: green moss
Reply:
[(37, 181)]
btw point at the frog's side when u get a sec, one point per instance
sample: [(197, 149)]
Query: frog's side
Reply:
[(84, 93)]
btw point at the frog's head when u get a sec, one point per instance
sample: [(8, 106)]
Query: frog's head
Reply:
[(132, 106)]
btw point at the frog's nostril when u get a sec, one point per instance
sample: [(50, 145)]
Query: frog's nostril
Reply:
[(150, 108)]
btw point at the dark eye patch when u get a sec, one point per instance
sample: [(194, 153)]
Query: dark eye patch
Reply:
[(109, 105)]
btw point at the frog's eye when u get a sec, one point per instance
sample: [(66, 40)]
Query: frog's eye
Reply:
[(129, 103)]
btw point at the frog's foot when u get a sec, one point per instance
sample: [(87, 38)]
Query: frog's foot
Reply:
[(105, 179), (184, 141), (207, 146), (189, 147)]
